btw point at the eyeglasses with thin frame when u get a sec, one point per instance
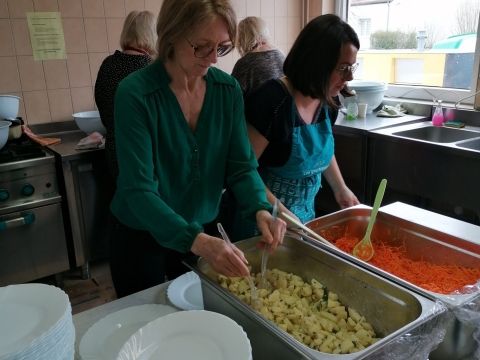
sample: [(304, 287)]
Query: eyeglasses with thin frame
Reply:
[(203, 51), (346, 70)]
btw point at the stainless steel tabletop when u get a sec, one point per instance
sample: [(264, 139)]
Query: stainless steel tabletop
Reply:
[(372, 121), (66, 148)]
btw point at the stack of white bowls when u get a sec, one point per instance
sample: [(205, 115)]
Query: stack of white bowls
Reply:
[(367, 92), (35, 323)]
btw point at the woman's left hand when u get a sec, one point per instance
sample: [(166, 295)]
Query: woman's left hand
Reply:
[(346, 198), (272, 229)]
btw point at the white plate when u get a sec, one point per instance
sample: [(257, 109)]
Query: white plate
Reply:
[(195, 334), (185, 292), (30, 314), (104, 339)]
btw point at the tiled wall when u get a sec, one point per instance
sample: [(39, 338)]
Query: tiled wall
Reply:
[(53, 90)]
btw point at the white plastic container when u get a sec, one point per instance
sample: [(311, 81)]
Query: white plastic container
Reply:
[(367, 92), (4, 125), (9, 105)]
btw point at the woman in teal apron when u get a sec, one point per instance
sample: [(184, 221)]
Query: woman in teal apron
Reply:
[(298, 181), (290, 125)]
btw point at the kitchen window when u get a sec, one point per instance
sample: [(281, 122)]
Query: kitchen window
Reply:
[(423, 49)]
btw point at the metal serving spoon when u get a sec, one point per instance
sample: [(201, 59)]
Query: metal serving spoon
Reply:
[(253, 289), (263, 268), (364, 249)]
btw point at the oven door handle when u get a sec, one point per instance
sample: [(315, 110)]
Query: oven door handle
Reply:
[(26, 218)]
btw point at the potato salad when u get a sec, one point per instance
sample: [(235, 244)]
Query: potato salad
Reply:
[(308, 311)]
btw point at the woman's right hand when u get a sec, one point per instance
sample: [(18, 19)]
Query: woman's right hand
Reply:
[(224, 258)]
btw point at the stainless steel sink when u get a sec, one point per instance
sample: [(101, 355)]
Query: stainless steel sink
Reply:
[(439, 134), (471, 144)]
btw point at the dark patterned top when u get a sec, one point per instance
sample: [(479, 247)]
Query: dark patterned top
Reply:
[(254, 68), (269, 110), (113, 70)]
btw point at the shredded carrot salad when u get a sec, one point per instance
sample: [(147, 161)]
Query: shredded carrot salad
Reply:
[(442, 279)]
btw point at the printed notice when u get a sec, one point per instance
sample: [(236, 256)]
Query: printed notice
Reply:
[(46, 35)]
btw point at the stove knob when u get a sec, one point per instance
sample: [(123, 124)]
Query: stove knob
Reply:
[(4, 195), (28, 190)]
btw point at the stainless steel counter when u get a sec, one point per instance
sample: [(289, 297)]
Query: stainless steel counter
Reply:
[(66, 149), (87, 190), (448, 225), (372, 121)]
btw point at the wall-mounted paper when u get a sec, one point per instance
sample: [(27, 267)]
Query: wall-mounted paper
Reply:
[(46, 35)]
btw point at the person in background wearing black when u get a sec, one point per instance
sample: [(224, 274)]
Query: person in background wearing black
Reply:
[(137, 40), (261, 60)]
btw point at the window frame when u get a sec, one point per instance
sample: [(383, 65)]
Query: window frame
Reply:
[(426, 93)]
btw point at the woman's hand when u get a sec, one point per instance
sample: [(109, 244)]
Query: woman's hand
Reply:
[(272, 229), (224, 258), (345, 197)]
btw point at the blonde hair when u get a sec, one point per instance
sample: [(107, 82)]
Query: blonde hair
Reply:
[(178, 19), (139, 31), (251, 31)]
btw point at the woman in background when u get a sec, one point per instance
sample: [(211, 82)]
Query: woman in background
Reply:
[(290, 119), (260, 60), (137, 41), (181, 134)]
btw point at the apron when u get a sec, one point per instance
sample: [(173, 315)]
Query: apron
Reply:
[(297, 182)]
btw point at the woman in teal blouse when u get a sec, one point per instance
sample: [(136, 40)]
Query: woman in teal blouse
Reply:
[(181, 135)]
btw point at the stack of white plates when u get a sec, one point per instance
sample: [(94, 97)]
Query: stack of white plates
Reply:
[(193, 334), (104, 339), (35, 323)]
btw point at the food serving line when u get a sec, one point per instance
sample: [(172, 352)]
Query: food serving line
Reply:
[(421, 317)]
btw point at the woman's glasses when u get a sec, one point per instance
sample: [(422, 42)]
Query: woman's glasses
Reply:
[(202, 51), (346, 70)]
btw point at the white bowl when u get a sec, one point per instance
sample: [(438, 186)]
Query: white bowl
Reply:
[(9, 106), (4, 125), (89, 122), (367, 92)]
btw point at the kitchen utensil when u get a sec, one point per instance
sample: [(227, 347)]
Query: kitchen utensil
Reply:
[(9, 106), (89, 122), (364, 249), (4, 125), (15, 130), (265, 252), (367, 92), (309, 231), (253, 289)]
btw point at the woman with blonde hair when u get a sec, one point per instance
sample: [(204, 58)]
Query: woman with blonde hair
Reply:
[(260, 60), (181, 135), (137, 40)]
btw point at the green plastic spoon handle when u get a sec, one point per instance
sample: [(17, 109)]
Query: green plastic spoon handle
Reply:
[(376, 206)]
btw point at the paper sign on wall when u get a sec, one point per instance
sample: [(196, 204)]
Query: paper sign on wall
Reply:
[(46, 35)]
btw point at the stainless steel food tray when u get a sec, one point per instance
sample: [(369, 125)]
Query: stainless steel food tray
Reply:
[(420, 241), (391, 309)]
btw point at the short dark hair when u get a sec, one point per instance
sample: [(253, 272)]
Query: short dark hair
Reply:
[(315, 53)]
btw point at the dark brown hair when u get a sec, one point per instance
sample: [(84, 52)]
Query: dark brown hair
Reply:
[(315, 54)]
